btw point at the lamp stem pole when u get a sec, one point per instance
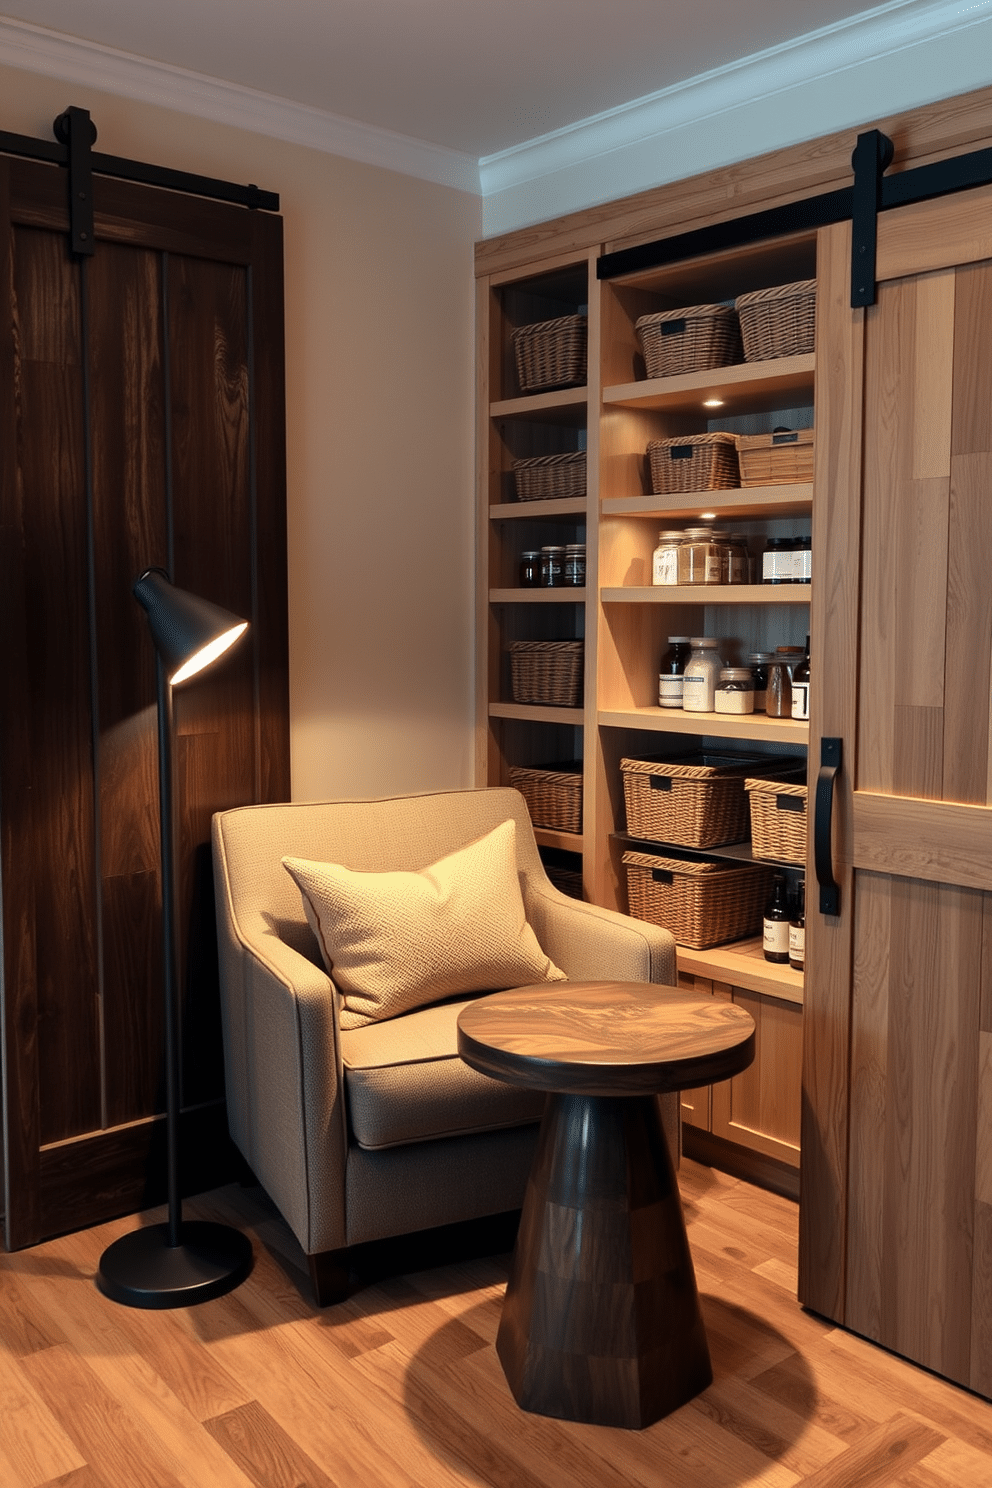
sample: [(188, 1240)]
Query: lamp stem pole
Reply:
[(170, 959)]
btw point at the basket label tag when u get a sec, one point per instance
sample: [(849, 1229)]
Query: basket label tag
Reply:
[(673, 327), (682, 451), (790, 436), (790, 803), (660, 782), (662, 875)]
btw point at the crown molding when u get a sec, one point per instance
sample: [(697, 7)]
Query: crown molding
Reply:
[(872, 35), (122, 74)]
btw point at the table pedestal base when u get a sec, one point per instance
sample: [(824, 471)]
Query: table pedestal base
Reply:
[(601, 1321)]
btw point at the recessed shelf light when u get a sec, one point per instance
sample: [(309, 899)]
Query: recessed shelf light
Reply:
[(713, 403), (707, 516)]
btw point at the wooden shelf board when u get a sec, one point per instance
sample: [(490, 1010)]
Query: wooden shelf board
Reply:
[(749, 594), (565, 841), (560, 594), (750, 386), (743, 965), (512, 511), (711, 725), (569, 404), (747, 501), (536, 713)]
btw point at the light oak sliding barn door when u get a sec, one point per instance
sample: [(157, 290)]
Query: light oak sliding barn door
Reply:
[(896, 1221)]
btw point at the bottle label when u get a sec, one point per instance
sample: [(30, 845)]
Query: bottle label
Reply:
[(797, 942), (776, 566), (698, 693), (670, 691), (800, 699), (775, 937), (713, 570)]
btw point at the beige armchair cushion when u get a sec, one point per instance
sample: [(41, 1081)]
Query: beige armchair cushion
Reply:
[(397, 941), (405, 1082)]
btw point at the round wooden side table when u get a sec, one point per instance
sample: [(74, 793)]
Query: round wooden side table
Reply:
[(601, 1320)]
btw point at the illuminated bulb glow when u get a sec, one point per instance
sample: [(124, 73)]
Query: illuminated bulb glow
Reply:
[(713, 403), (208, 653), (707, 516)]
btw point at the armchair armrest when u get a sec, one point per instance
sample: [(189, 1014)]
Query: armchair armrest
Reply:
[(594, 944)]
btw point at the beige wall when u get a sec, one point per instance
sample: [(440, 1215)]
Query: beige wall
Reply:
[(379, 362)]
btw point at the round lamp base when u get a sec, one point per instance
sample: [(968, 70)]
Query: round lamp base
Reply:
[(142, 1269)]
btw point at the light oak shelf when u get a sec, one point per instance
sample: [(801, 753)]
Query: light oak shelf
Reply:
[(513, 511), (569, 405), (535, 713), (564, 841), (743, 964), (558, 594), (751, 387), (708, 594), (756, 726), (746, 501)]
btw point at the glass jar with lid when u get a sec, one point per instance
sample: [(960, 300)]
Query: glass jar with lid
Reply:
[(759, 662), (702, 673), (530, 568), (700, 558), (575, 565), (553, 565), (740, 559), (671, 672), (665, 559), (734, 691), (777, 561)]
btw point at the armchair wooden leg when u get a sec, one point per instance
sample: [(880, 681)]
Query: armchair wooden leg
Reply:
[(329, 1273)]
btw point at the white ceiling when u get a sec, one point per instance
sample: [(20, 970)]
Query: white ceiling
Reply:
[(475, 76)]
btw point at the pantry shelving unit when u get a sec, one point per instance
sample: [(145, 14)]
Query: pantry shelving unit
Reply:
[(625, 620)]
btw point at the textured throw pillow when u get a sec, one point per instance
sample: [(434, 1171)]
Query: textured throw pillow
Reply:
[(396, 941)]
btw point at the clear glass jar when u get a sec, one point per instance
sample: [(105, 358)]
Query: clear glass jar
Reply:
[(702, 673), (671, 672), (735, 557), (665, 559), (778, 695), (700, 558), (759, 662), (530, 569), (575, 565), (552, 566), (777, 561), (734, 691)]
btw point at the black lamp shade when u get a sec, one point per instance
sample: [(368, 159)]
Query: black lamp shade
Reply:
[(188, 632)]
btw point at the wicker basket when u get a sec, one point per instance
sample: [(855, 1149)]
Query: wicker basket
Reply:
[(694, 339), (553, 795), (778, 322), (778, 820), (697, 800), (566, 880), (548, 672), (551, 354), (777, 459), (693, 462), (702, 903), (551, 477)]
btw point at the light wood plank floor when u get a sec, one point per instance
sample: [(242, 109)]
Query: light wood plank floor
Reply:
[(400, 1385)]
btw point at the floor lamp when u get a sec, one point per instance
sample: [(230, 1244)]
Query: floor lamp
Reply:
[(179, 1262)]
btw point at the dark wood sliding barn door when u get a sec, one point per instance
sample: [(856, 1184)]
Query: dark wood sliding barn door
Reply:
[(141, 423)]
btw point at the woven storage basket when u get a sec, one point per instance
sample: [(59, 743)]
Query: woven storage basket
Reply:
[(695, 339), (778, 322), (702, 903), (693, 462), (777, 459), (778, 820), (551, 354), (547, 672), (551, 477), (697, 800), (553, 795), (567, 880)]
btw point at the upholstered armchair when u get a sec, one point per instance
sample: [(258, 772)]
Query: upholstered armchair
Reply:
[(363, 1132)]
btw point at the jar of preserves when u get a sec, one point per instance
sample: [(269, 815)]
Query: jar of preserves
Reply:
[(665, 559), (671, 672), (552, 565), (702, 673), (700, 558), (575, 565), (759, 663), (530, 569)]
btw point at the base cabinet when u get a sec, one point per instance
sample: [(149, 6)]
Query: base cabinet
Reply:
[(759, 1109)]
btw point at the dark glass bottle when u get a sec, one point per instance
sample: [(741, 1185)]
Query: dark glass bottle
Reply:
[(800, 687), (797, 930), (775, 926), (671, 670)]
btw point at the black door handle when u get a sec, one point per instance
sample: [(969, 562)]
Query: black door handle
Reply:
[(831, 755)]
